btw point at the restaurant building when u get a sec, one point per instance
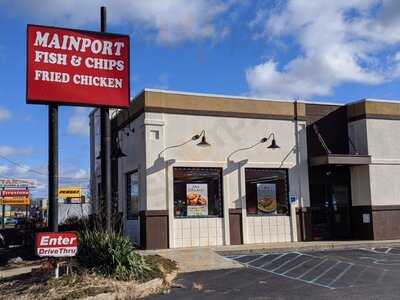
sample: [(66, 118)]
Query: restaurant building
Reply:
[(195, 170)]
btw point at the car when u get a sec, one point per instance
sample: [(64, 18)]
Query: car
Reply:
[(8, 221)]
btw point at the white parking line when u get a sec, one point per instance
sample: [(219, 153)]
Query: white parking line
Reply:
[(267, 263), (341, 274), (295, 267), (359, 276), (262, 256), (236, 257), (314, 267), (325, 272), (380, 279), (293, 278), (286, 262)]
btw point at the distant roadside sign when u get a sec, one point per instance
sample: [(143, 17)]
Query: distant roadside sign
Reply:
[(56, 244), (14, 193), (16, 183), (69, 192), (15, 201)]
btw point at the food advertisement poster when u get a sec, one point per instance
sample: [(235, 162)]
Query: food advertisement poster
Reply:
[(197, 199), (266, 197)]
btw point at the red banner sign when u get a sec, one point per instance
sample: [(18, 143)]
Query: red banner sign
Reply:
[(15, 193), (56, 244), (74, 67)]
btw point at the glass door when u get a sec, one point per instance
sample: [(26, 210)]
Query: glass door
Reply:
[(340, 212), (330, 211)]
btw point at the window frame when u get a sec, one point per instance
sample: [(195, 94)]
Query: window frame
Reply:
[(221, 191), (287, 186), (130, 217)]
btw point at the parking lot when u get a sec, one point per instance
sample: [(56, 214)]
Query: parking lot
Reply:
[(362, 273)]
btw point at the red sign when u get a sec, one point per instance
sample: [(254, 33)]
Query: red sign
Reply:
[(56, 244), (15, 193), (74, 67)]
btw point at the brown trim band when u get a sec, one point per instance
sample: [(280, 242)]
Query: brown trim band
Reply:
[(385, 207), (369, 109), (219, 113), (303, 220), (374, 116), (235, 226), (153, 213), (154, 230), (235, 211)]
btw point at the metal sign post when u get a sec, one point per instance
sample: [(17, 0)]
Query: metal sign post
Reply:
[(105, 144), (53, 168), (3, 211)]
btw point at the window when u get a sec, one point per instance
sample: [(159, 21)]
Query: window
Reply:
[(132, 201), (198, 192), (267, 191)]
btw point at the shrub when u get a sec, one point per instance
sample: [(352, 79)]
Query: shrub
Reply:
[(111, 254)]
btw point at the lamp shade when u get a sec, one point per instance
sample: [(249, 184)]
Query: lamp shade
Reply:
[(118, 153), (203, 142), (273, 145)]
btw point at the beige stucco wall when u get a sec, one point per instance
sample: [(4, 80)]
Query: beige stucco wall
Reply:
[(378, 183), (384, 147), (164, 132), (134, 147)]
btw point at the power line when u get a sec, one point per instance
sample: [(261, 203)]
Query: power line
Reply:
[(29, 169)]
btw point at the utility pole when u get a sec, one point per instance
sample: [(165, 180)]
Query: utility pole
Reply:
[(105, 127)]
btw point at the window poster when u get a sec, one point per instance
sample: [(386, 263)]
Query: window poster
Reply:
[(197, 199), (266, 197)]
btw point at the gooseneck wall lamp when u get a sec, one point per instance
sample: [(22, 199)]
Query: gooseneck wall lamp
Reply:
[(117, 153), (203, 142), (273, 145)]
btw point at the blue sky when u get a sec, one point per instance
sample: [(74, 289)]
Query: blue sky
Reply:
[(336, 51)]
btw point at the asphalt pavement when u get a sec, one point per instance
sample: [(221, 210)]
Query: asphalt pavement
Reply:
[(361, 273)]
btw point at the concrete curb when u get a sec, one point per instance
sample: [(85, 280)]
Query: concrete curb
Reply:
[(304, 246), (17, 271)]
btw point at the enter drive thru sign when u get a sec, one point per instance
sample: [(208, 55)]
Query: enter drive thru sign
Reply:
[(56, 244), (75, 67)]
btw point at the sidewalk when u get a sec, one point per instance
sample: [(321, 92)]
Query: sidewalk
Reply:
[(207, 258), (195, 259)]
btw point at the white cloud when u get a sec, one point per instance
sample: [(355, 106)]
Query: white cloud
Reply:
[(5, 114), (8, 151), (336, 41), (78, 123), (170, 20), (4, 169), (81, 174)]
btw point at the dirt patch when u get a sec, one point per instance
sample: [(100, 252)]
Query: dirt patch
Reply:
[(41, 284)]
